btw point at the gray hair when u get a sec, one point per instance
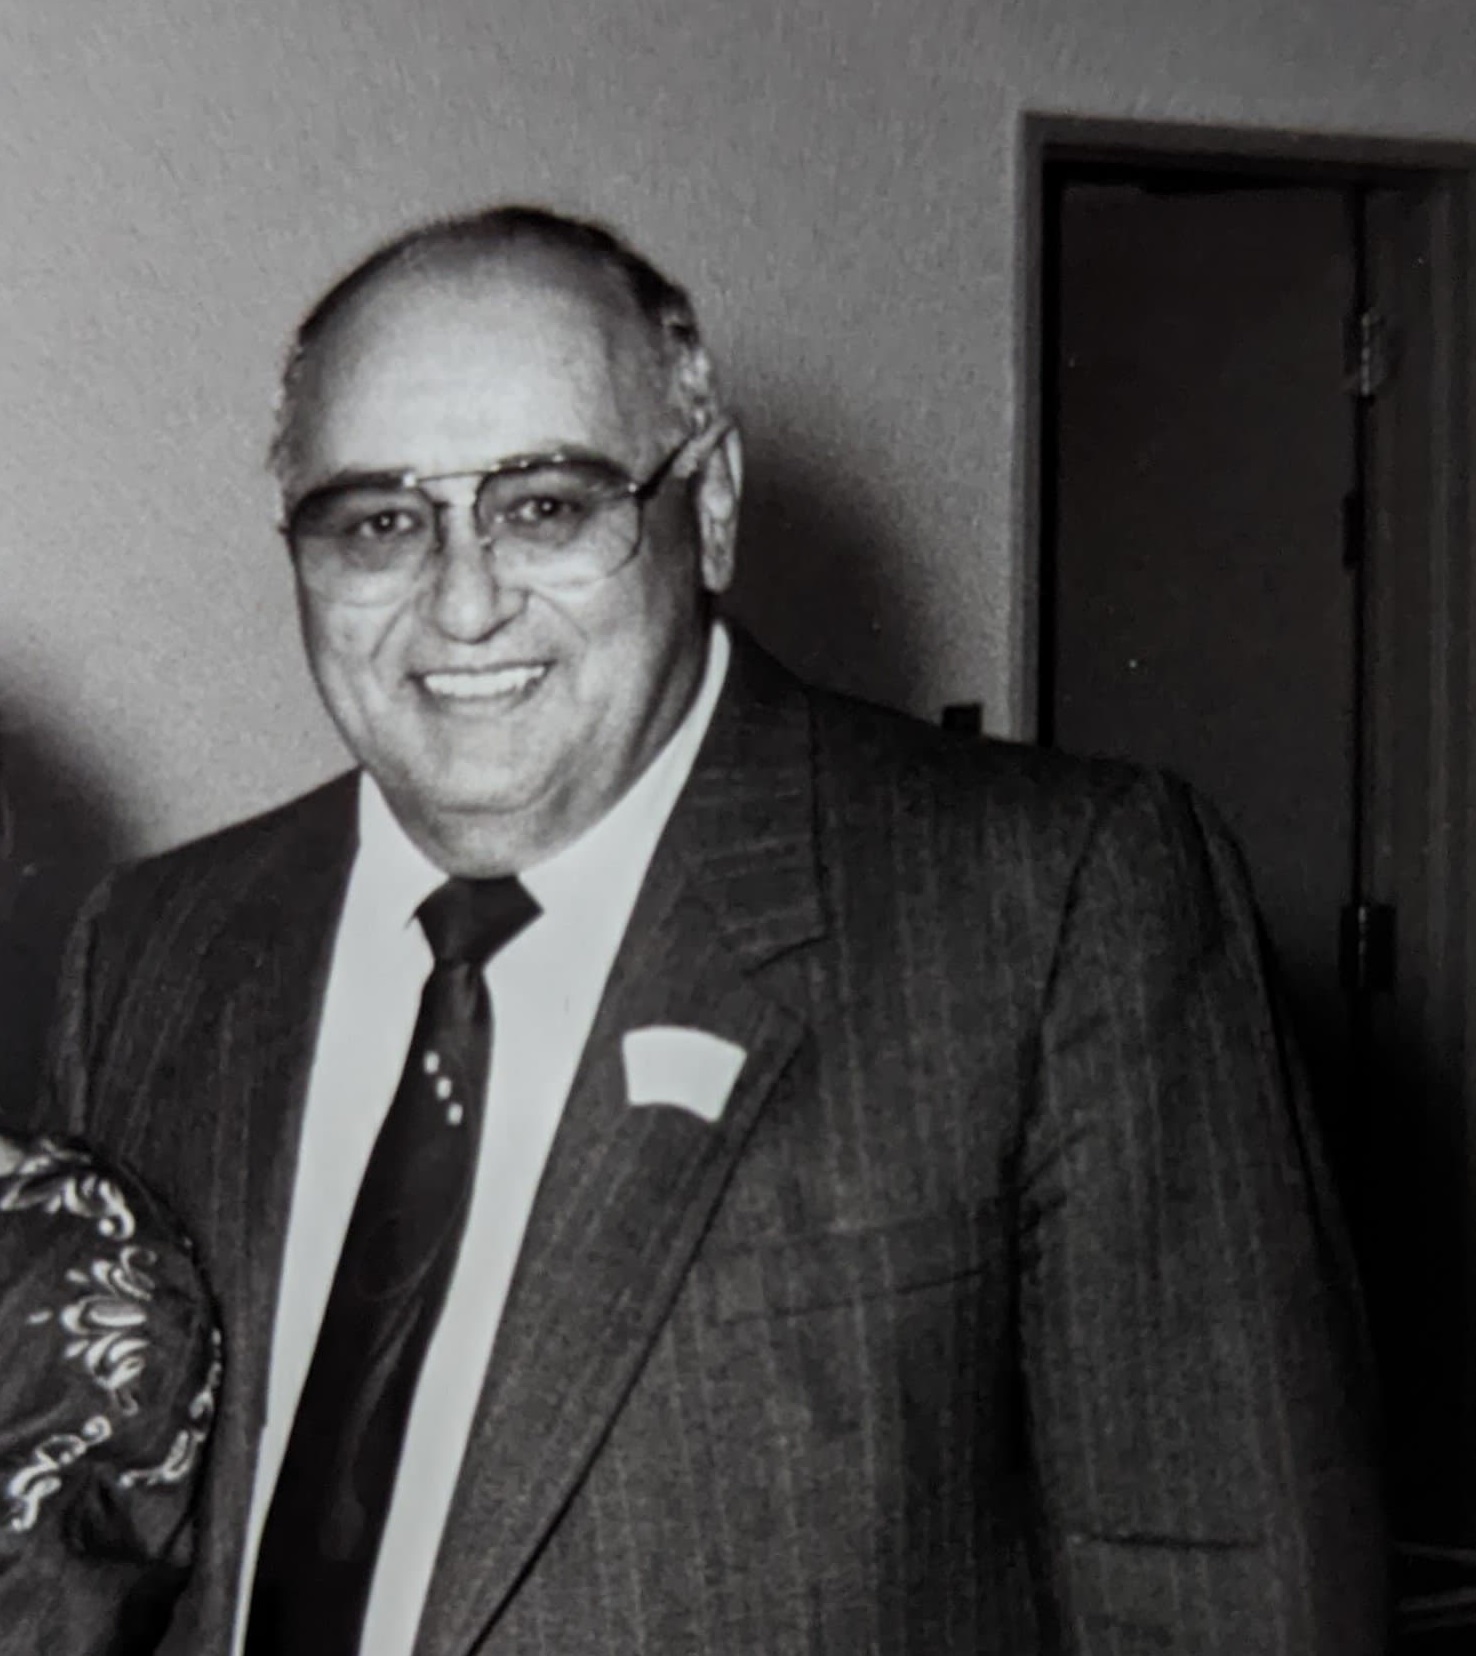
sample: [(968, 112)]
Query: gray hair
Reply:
[(660, 302)]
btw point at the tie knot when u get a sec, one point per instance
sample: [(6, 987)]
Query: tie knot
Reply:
[(467, 921)]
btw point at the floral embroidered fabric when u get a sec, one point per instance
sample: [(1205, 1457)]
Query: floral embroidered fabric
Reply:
[(110, 1364)]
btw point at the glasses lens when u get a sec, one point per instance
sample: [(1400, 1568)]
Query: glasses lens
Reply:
[(566, 521), (360, 539)]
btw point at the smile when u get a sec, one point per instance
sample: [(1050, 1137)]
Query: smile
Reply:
[(483, 684)]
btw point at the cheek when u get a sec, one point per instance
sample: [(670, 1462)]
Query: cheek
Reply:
[(655, 613), (624, 654), (345, 647)]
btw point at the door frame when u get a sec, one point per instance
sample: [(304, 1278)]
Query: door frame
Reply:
[(1446, 172), (1439, 184)]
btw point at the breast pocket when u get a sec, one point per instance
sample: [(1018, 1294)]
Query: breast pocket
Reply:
[(823, 1270)]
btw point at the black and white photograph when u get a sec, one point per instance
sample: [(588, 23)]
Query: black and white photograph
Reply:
[(737, 792)]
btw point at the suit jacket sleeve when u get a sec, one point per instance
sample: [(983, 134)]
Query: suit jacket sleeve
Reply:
[(1194, 1357)]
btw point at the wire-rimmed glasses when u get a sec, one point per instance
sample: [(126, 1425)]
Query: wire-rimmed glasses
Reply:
[(555, 520)]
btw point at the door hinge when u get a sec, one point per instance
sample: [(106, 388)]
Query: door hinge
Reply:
[(1367, 354), (1366, 947)]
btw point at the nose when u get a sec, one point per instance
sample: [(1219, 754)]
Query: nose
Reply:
[(466, 601)]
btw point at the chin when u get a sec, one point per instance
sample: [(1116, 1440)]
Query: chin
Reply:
[(476, 796)]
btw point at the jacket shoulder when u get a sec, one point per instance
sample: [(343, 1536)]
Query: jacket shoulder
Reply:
[(165, 936), (192, 886), (1010, 813), (864, 749)]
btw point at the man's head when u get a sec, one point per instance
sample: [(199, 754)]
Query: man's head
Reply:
[(505, 688)]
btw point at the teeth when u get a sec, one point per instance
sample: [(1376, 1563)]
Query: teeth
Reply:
[(471, 686)]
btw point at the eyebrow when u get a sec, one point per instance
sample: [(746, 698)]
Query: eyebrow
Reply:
[(394, 478), (360, 480)]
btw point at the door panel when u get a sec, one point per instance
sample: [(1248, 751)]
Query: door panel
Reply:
[(1202, 613)]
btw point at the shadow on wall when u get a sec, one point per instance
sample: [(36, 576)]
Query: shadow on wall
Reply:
[(64, 833), (823, 580)]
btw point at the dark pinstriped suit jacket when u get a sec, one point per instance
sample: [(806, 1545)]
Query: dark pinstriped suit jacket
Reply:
[(1001, 1311)]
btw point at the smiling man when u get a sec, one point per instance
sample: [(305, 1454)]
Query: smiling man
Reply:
[(691, 1164), (511, 397)]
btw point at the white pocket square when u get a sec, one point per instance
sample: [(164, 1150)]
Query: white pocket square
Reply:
[(667, 1064)]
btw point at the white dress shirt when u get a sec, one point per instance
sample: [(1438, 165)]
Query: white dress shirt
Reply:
[(546, 986)]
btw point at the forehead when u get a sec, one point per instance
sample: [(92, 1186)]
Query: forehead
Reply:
[(449, 371)]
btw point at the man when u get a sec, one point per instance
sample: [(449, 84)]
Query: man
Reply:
[(848, 1196)]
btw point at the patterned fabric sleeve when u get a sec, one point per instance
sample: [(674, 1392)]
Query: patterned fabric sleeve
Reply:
[(110, 1363)]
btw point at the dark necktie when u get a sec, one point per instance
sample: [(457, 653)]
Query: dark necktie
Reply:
[(322, 1533)]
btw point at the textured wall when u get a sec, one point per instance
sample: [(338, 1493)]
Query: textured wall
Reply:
[(838, 181)]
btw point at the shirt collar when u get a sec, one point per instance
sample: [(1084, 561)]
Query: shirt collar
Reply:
[(622, 840)]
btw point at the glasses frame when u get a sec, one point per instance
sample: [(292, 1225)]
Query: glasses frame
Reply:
[(637, 490)]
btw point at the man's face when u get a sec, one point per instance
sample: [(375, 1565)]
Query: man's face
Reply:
[(502, 721)]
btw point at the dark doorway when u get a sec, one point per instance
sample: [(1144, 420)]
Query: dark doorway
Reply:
[(1253, 573), (1203, 614)]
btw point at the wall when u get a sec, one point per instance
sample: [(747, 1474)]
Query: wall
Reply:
[(838, 182)]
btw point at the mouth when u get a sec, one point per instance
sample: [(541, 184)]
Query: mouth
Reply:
[(483, 686)]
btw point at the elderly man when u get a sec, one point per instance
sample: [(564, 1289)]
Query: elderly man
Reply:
[(692, 1164)]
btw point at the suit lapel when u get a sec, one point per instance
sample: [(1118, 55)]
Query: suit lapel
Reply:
[(279, 1002), (628, 1192), (263, 970)]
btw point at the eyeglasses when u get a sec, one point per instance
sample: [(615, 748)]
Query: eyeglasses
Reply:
[(548, 520)]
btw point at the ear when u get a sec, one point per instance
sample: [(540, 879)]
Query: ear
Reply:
[(718, 488)]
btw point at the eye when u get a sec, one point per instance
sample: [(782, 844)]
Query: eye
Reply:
[(362, 518), (548, 506), (542, 511), (389, 523)]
